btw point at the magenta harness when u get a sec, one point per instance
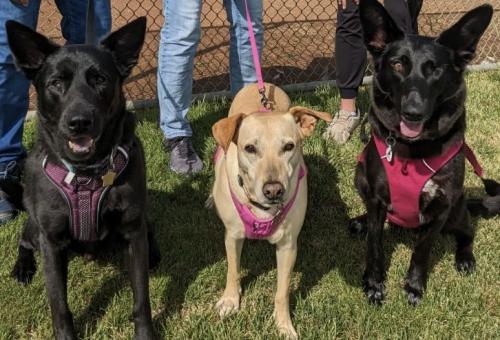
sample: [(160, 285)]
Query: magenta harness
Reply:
[(85, 194), (407, 178), (259, 228)]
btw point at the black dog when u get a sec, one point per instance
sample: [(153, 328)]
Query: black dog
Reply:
[(417, 114), (84, 132)]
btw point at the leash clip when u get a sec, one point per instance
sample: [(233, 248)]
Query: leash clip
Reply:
[(266, 103)]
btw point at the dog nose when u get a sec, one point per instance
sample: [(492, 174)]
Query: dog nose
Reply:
[(79, 124), (273, 190), (413, 106)]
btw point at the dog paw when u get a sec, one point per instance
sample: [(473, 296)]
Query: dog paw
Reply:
[(465, 263), (374, 291), (228, 305), (357, 227), (24, 270), (285, 327), (413, 295), (144, 333)]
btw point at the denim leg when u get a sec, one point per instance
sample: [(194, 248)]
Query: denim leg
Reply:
[(242, 70), (73, 23), (179, 39), (13, 85)]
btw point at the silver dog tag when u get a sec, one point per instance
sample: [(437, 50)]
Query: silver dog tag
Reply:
[(388, 153), (69, 177)]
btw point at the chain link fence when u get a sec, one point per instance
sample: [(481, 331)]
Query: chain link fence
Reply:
[(299, 39)]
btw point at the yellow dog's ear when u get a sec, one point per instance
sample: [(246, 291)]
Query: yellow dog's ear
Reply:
[(226, 130), (307, 118)]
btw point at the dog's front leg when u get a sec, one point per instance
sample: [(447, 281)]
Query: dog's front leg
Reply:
[(286, 253), (230, 302), (416, 277), (373, 278), (137, 256), (55, 265)]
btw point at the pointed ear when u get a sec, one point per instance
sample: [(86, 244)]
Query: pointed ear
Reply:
[(225, 130), (464, 36), (307, 118), (378, 27), (125, 45), (29, 48)]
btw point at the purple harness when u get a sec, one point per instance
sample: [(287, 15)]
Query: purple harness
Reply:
[(85, 194)]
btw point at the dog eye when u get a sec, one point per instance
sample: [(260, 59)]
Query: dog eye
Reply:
[(250, 148), (397, 66), (57, 84), (429, 69), (288, 147), (99, 80)]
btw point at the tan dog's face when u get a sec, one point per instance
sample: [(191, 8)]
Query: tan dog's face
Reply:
[(269, 149)]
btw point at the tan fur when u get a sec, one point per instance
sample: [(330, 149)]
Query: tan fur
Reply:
[(268, 132)]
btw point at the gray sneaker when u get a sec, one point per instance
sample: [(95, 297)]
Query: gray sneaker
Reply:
[(342, 126), (183, 158)]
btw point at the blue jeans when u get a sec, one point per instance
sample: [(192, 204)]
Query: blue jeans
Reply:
[(14, 86), (179, 39)]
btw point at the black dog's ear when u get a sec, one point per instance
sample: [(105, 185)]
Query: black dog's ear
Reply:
[(125, 45), (464, 36), (378, 27), (29, 48)]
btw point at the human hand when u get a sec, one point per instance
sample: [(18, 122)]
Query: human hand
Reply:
[(343, 3)]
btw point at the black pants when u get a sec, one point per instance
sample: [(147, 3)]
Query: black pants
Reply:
[(350, 51)]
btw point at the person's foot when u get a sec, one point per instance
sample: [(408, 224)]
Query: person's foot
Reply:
[(342, 126), (183, 158), (10, 191)]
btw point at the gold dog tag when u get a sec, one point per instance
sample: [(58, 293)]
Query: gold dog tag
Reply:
[(109, 178)]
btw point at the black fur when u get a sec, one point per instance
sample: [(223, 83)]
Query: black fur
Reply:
[(487, 206), (79, 92), (417, 79)]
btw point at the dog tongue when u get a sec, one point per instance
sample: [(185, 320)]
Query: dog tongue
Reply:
[(81, 145), (410, 130)]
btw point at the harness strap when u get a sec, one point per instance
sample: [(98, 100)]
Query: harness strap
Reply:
[(256, 228), (471, 157)]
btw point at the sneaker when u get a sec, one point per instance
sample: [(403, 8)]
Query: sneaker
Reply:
[(183, 158), (342, 126), (10, 191)]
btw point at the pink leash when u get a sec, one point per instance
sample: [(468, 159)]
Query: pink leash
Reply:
[(256, 61)]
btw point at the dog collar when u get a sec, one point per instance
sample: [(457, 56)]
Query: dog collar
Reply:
[(85, 193)]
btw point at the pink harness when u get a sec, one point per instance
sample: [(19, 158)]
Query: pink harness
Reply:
[(407, 177), (259, 228)]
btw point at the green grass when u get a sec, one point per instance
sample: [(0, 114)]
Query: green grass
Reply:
[(326, 297)]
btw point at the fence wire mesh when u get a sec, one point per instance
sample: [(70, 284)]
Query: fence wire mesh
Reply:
[(299, 39)]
